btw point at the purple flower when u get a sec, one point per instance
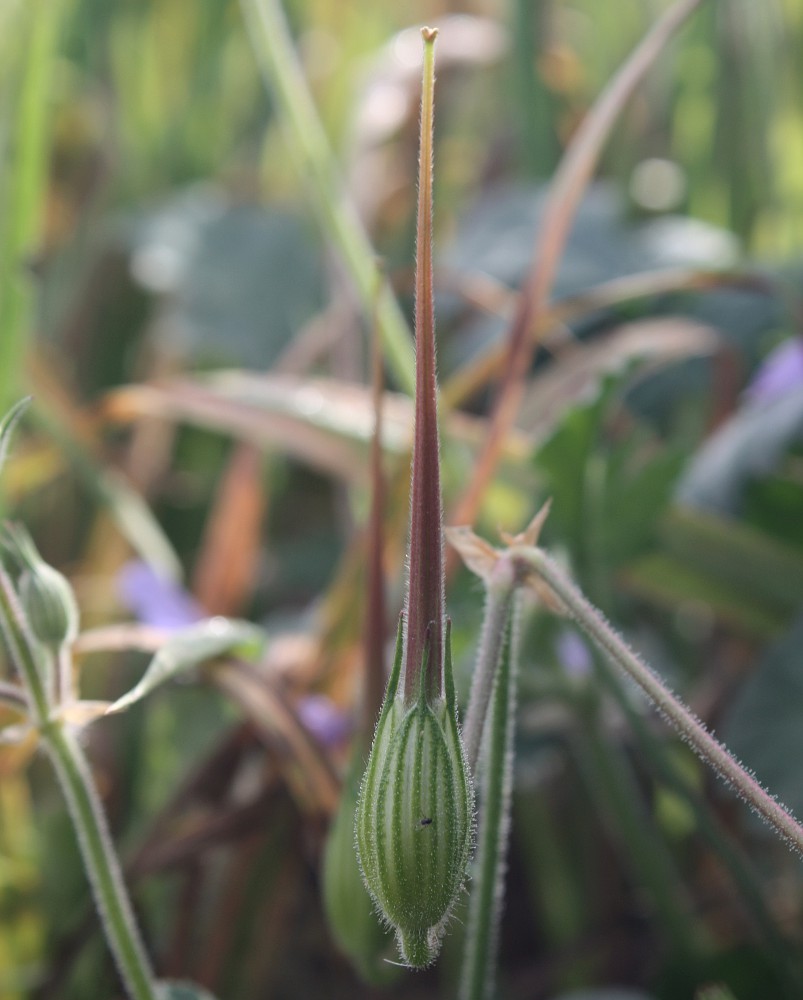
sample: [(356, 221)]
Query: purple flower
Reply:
[(780, 372), (329, 724), (573, 654), (154, 600)]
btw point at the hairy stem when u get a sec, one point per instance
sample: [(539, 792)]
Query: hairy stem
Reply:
[(690, 728), (498, 598), (495, 789), (100, 861), (85, 809)]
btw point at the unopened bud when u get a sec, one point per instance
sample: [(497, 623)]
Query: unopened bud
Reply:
[(45, 594), (414, 815), (349, 909)]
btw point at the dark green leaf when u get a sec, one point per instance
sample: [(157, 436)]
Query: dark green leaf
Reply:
[(605, 994), (749, 445), (763, 726), (734, 554), (671, 583)]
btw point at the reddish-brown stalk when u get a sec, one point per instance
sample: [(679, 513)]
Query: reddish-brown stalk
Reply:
[(425, 601)]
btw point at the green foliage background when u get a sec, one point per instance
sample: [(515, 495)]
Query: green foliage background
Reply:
[(155, 228)]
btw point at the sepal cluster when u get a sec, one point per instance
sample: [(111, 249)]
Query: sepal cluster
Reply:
[(414, 819), (46, 595)]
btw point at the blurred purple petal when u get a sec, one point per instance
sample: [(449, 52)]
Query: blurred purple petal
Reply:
[(156, 601), (327, 723), (780, 372), (573, 654)]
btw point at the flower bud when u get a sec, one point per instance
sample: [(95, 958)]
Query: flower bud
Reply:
[(349, 909), (414, 815), (45, 594)]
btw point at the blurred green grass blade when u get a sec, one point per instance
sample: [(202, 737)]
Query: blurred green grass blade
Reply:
[(537, 106), (23, 186), (612, 785), (672, 584), (7, 425), (746, 579), (278, 64), (734, 553), (566, 191), (134, 519), (326, 423), (663, 760)]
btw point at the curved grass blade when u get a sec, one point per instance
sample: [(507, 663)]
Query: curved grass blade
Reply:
[(568, 186), (7, 425)]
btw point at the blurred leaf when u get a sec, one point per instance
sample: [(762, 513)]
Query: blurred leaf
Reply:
[(575, 375), (7, 425), (308, 771), (740, 303), (637, 489), (238, 280), (324, 422), (608, 494), (735, 554), (743, 576), (192, 646), (76, 433), (495, 238), (748, 446), (564, 456), (605, 994), (172, 989), (762, 724), (773, 504), (309, 145), (228, 562), (671, 583), (715, 993), (24, 146), (13, 696)]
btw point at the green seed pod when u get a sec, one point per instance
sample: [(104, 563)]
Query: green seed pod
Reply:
[(349, 909), (45, 594), (414, 814)]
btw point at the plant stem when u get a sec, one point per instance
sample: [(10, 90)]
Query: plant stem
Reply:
[(85, 809), (100, 860), (498, 597), (424, 602), (687, 724), (277, 61), (496, 786)]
